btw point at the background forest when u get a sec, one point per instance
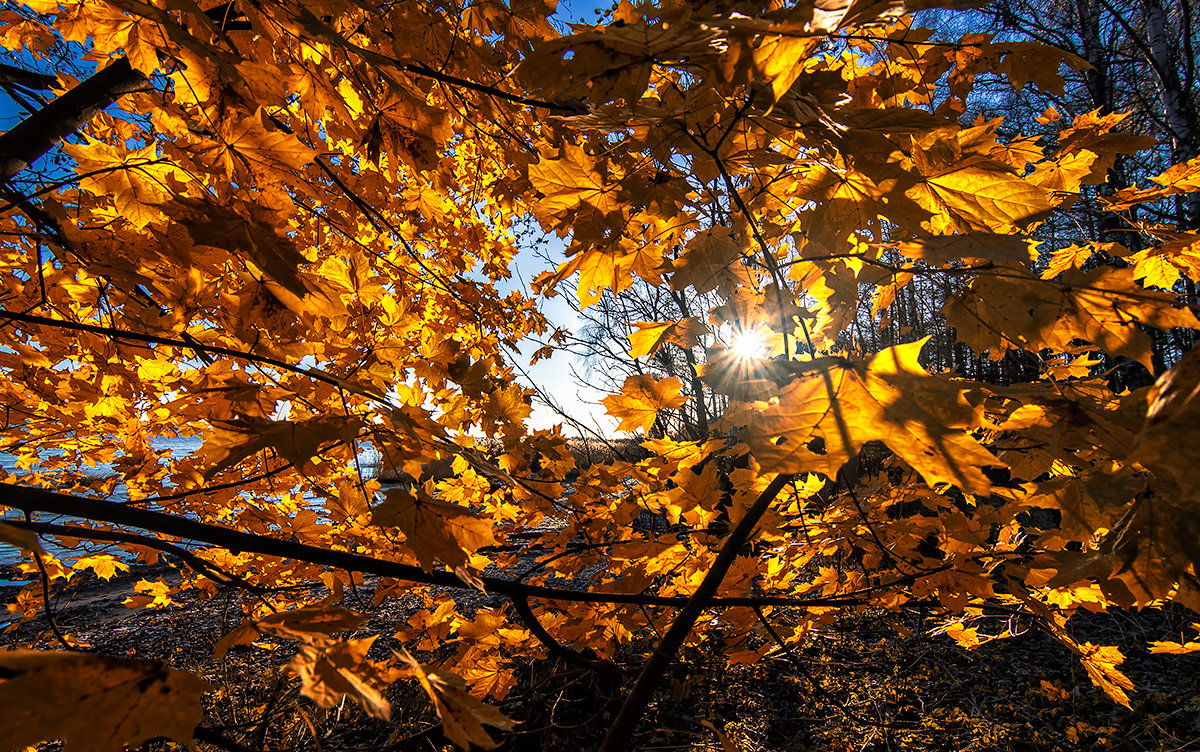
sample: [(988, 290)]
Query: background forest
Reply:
[(893, 305)]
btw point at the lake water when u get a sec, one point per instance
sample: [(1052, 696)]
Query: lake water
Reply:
[(10, 555)]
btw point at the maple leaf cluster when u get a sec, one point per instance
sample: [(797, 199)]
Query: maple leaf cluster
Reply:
[(289, 240)]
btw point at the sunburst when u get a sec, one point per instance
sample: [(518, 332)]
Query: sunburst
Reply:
[(750, 344)]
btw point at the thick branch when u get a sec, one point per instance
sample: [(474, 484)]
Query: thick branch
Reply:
[(652, 673), (11, 74), (190, 559), (41, 131), (39, 500)]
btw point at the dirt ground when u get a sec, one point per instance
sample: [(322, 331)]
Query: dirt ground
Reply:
[(855, 685)]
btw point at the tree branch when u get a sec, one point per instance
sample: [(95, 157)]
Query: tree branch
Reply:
[(635, 702), (41, 131), (187, 557), (39, 500), (10, 74)]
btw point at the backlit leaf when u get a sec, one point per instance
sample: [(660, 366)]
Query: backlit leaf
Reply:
[(112, 702), (823, 418), (330, 671), (463, 716), (434, 529), (650, 336), (640, 400)]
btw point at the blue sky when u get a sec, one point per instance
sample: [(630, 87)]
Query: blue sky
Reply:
[(579, 11)]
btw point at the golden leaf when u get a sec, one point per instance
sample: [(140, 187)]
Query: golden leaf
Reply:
[(978, 194), (463, 716), (94, 703), (778, 60), (1101, 662), (154, 595), (434, 530), (1071, 257), (232, 441), (253, 141), (970, 247), (823, 418), (104, 565), (136, 181), (640, 400), (1180, 178), (571, 180), (650, 336), (712, 259), (1174, 648), (1015, 310), (245, 231), (330, 671), (412, 131), (304, 624)]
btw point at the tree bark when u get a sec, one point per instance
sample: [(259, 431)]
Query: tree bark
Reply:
[(41, 131), (1178, 105), (10, 74)]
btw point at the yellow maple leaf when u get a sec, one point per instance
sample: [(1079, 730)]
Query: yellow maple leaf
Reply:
[(969, 247), (977, 194), (305, 624), (1176, 648), (104, 565), (252, 142), (463, 716), (330, 671), (570, 180), (154, 595), (433, 529), (651, 335), (822, 419), (243, 230), (232, 441), (711, 259), (1180, 178), (137, 181), (1155, 269), (1101, 662), (412, 131), (640, 400), (779, 59), (1015, 310), (1072, 257)]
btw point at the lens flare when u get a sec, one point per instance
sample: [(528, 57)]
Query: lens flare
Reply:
[(750, 344)]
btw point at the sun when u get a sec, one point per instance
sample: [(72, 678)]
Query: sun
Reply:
[(749, 344)]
